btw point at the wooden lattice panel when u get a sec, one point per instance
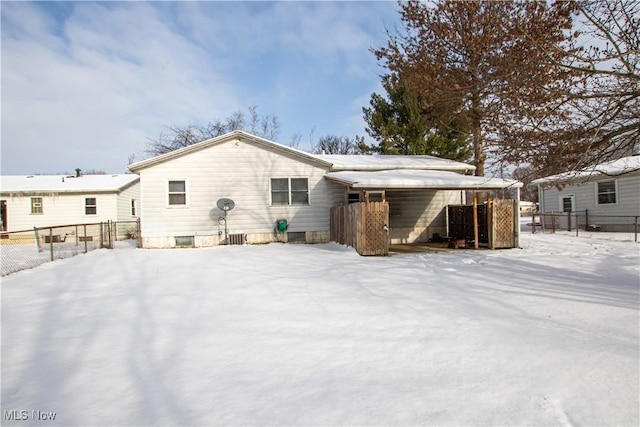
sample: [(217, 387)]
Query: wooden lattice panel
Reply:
[(503, 223)]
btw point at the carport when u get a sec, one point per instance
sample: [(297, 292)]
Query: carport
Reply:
[(419, 204)]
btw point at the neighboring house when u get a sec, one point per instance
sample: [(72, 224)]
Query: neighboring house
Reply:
[(283, 194), (29, 201), (606, 195), (528, 208)]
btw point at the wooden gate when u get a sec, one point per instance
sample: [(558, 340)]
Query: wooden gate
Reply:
[(364, 226), (502, 224)]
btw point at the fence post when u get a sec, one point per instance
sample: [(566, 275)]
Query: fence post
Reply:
[(51, 241), (577, 224), (568, 221), (138, 232), (586, 219), (553, 222), (101, 236), (533, 222), (635, 228), (85, 238)]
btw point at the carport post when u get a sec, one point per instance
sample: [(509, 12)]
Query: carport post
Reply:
[(475, 220)]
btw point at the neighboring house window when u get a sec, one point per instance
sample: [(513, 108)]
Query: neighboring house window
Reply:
[(606, 192), (567, 204), (289, 191), (134, 210), (90, 206), (36, 205), (177, 193)]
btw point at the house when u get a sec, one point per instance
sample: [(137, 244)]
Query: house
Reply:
[(605, 196), (241, 188), (528, 208), (29, 201)]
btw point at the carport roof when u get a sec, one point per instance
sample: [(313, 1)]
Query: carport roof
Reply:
[(419, 179)]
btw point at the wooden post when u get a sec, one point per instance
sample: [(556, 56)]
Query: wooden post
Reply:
[(568, 221), (533, 221), (76, 235), (475, 220), (635, 229), (85, 237), (553, 222), (586, 219), (51, 242)]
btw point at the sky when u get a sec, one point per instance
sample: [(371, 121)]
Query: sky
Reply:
[(88, 84)]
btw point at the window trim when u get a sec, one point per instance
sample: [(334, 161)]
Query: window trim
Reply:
[(186, 193), (41, 207), (615, 192), (289, 191), (94, 205), (561, 198)]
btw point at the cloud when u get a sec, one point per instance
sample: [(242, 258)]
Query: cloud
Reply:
[(85, 84)]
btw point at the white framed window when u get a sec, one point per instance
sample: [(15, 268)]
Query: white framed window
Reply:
[(134, 207), (567, 203), (90, 206), (607, 192), (289, 191), (36, 205), (177, 192)]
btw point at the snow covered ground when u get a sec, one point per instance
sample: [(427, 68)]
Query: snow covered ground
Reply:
[(317, 335)]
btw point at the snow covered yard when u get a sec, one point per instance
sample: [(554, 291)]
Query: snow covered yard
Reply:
[(317, 335)]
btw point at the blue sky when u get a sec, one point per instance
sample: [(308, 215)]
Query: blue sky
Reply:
[(86, 84)]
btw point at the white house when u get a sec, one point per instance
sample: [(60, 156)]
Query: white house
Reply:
[(29, 201), (282, 194), (606, 195)]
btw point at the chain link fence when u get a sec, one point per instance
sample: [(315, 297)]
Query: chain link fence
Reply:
[(21, 250), (584, 221)]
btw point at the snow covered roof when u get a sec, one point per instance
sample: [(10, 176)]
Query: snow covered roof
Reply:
[(613, 168), (419, 179), (352, 162), (66, 183)]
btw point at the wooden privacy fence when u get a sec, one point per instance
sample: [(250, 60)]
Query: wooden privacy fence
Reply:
[(363, 226), (495, 223)]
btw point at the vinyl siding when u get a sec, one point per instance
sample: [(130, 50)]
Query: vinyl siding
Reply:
[(414, 216), (240, 170), (628, 197), (124, 203), (61, 209)]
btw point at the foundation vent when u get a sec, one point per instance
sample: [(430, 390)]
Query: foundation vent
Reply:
[(237, 239)]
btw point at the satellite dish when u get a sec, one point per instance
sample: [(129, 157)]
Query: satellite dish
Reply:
[(225, 204)]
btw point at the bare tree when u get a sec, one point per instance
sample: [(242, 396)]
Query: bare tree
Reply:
[(601, 106), (332, 144), (176, 137)]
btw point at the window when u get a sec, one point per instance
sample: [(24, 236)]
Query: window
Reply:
[(567, 204), (353, 198), (36, 205), (289, 191), (177, 193), (134, 211), (374, 196), (90, 206), (607, 192), (184, 241)]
